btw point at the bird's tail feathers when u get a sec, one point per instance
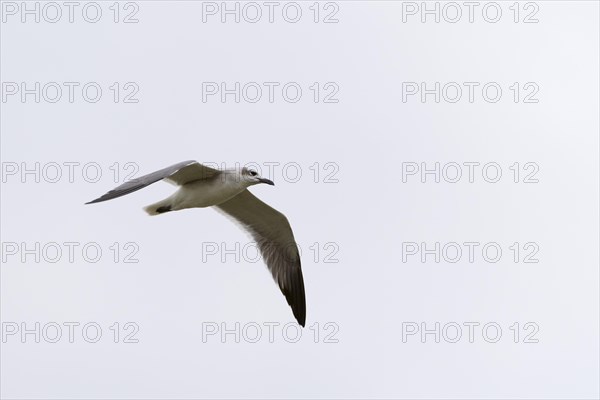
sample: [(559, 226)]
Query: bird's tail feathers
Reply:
[(161, 207)]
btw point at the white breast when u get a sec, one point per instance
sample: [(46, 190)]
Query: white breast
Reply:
[(206, 193)]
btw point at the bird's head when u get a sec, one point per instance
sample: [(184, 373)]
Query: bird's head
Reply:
[(253, 178)]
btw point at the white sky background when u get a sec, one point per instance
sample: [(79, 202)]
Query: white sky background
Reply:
[(370, 296)]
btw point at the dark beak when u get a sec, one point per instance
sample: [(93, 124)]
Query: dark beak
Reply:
[(267, 181)]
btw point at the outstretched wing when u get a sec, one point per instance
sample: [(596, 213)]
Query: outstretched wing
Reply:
[(273, 234), (179, 174)]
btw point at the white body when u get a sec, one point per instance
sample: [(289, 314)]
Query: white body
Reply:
[(204, 193)]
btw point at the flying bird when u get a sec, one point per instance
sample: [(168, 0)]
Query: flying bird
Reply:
[(227, 190)]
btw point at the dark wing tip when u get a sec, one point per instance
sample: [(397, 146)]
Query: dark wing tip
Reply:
[(296, 297), (107, 196), (99, 199)]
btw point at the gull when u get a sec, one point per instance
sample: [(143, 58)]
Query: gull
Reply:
[(227, 191)]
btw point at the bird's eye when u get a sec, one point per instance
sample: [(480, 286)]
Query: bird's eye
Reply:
[(253, 173)]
